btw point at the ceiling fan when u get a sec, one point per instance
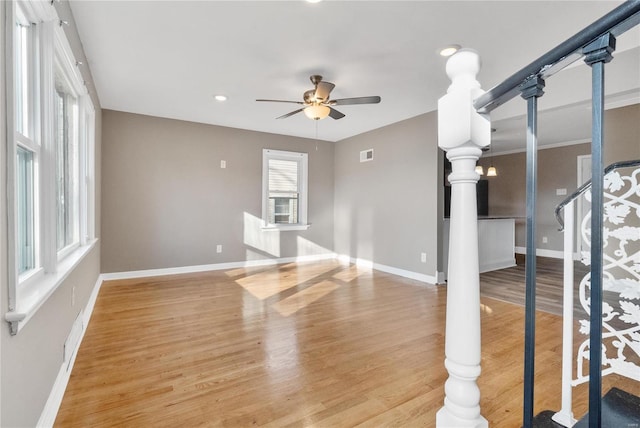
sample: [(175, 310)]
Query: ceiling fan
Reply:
[(318, 105)]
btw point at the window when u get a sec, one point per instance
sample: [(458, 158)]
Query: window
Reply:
[(51, 157), (284, 182), (27, 147)]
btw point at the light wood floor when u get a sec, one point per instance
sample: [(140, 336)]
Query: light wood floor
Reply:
[(318, 344)]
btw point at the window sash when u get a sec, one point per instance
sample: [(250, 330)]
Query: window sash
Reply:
[(26, 231), (26, 152), (24, 40)]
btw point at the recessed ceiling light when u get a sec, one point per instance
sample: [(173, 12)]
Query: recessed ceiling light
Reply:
[(314, 1), (220, 98), (449, 50)]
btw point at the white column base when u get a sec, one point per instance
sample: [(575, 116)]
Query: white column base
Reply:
[(444, 419)]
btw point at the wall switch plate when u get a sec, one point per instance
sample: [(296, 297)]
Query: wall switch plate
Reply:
[(218, 248), (423, 257), (561, 192), (223, 164), (545, 240)]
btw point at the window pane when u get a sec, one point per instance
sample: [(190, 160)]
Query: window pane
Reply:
[(22, 73), (25, 211), (67, 166), (283, 192), (283, 175), (285, 208)]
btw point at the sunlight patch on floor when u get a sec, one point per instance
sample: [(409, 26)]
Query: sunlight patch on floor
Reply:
[(349, 274), (304, 298), (268, 283)]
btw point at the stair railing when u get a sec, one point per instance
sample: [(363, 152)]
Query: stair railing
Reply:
[(595, 45), (619, 205)]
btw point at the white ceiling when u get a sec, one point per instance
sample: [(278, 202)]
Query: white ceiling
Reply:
[(168, 59)]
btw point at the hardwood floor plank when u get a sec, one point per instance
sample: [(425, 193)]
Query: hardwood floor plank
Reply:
[(309, 344)]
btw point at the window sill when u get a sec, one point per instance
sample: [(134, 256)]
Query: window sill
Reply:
[(32, 294), (286, 227)]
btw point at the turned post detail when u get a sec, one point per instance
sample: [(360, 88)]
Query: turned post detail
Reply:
[(462, 133)]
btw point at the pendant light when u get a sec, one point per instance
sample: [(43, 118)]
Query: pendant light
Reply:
[(491, 171), (479, 170)]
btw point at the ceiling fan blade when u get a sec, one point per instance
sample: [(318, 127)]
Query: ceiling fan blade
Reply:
[(358, 100), (323, 90), (282, 101), (335, 114), (284, 116)]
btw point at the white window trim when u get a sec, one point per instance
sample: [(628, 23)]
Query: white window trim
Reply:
[(64, 60), (303, 159), (29, 291)]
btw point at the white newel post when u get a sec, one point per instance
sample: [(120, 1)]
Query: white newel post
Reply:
[(462, 132)]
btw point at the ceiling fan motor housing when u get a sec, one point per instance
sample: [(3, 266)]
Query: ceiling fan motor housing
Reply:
[(309, 96)]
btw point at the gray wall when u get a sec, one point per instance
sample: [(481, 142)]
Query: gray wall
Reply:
[(622, 134), (386, 210), (31, 360), (167, 203), (3, 195), (557, 168)]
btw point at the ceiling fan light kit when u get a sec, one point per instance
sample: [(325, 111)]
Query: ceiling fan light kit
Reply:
[(317, 112), (317, 104)]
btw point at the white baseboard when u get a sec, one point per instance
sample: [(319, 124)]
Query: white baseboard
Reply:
[(555, 254), (368, 264), (269, 262), (216, 266), (497, 265), (51, 407)]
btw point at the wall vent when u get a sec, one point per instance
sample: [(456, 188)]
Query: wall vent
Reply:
[(366, 155), (71, 343)]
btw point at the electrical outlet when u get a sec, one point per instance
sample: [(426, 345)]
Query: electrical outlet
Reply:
[(73, 296), (423, 257), (218, 248), (545, 240)]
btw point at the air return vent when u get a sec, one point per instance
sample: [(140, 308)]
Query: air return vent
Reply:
[(71, 343), (366, 155)]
